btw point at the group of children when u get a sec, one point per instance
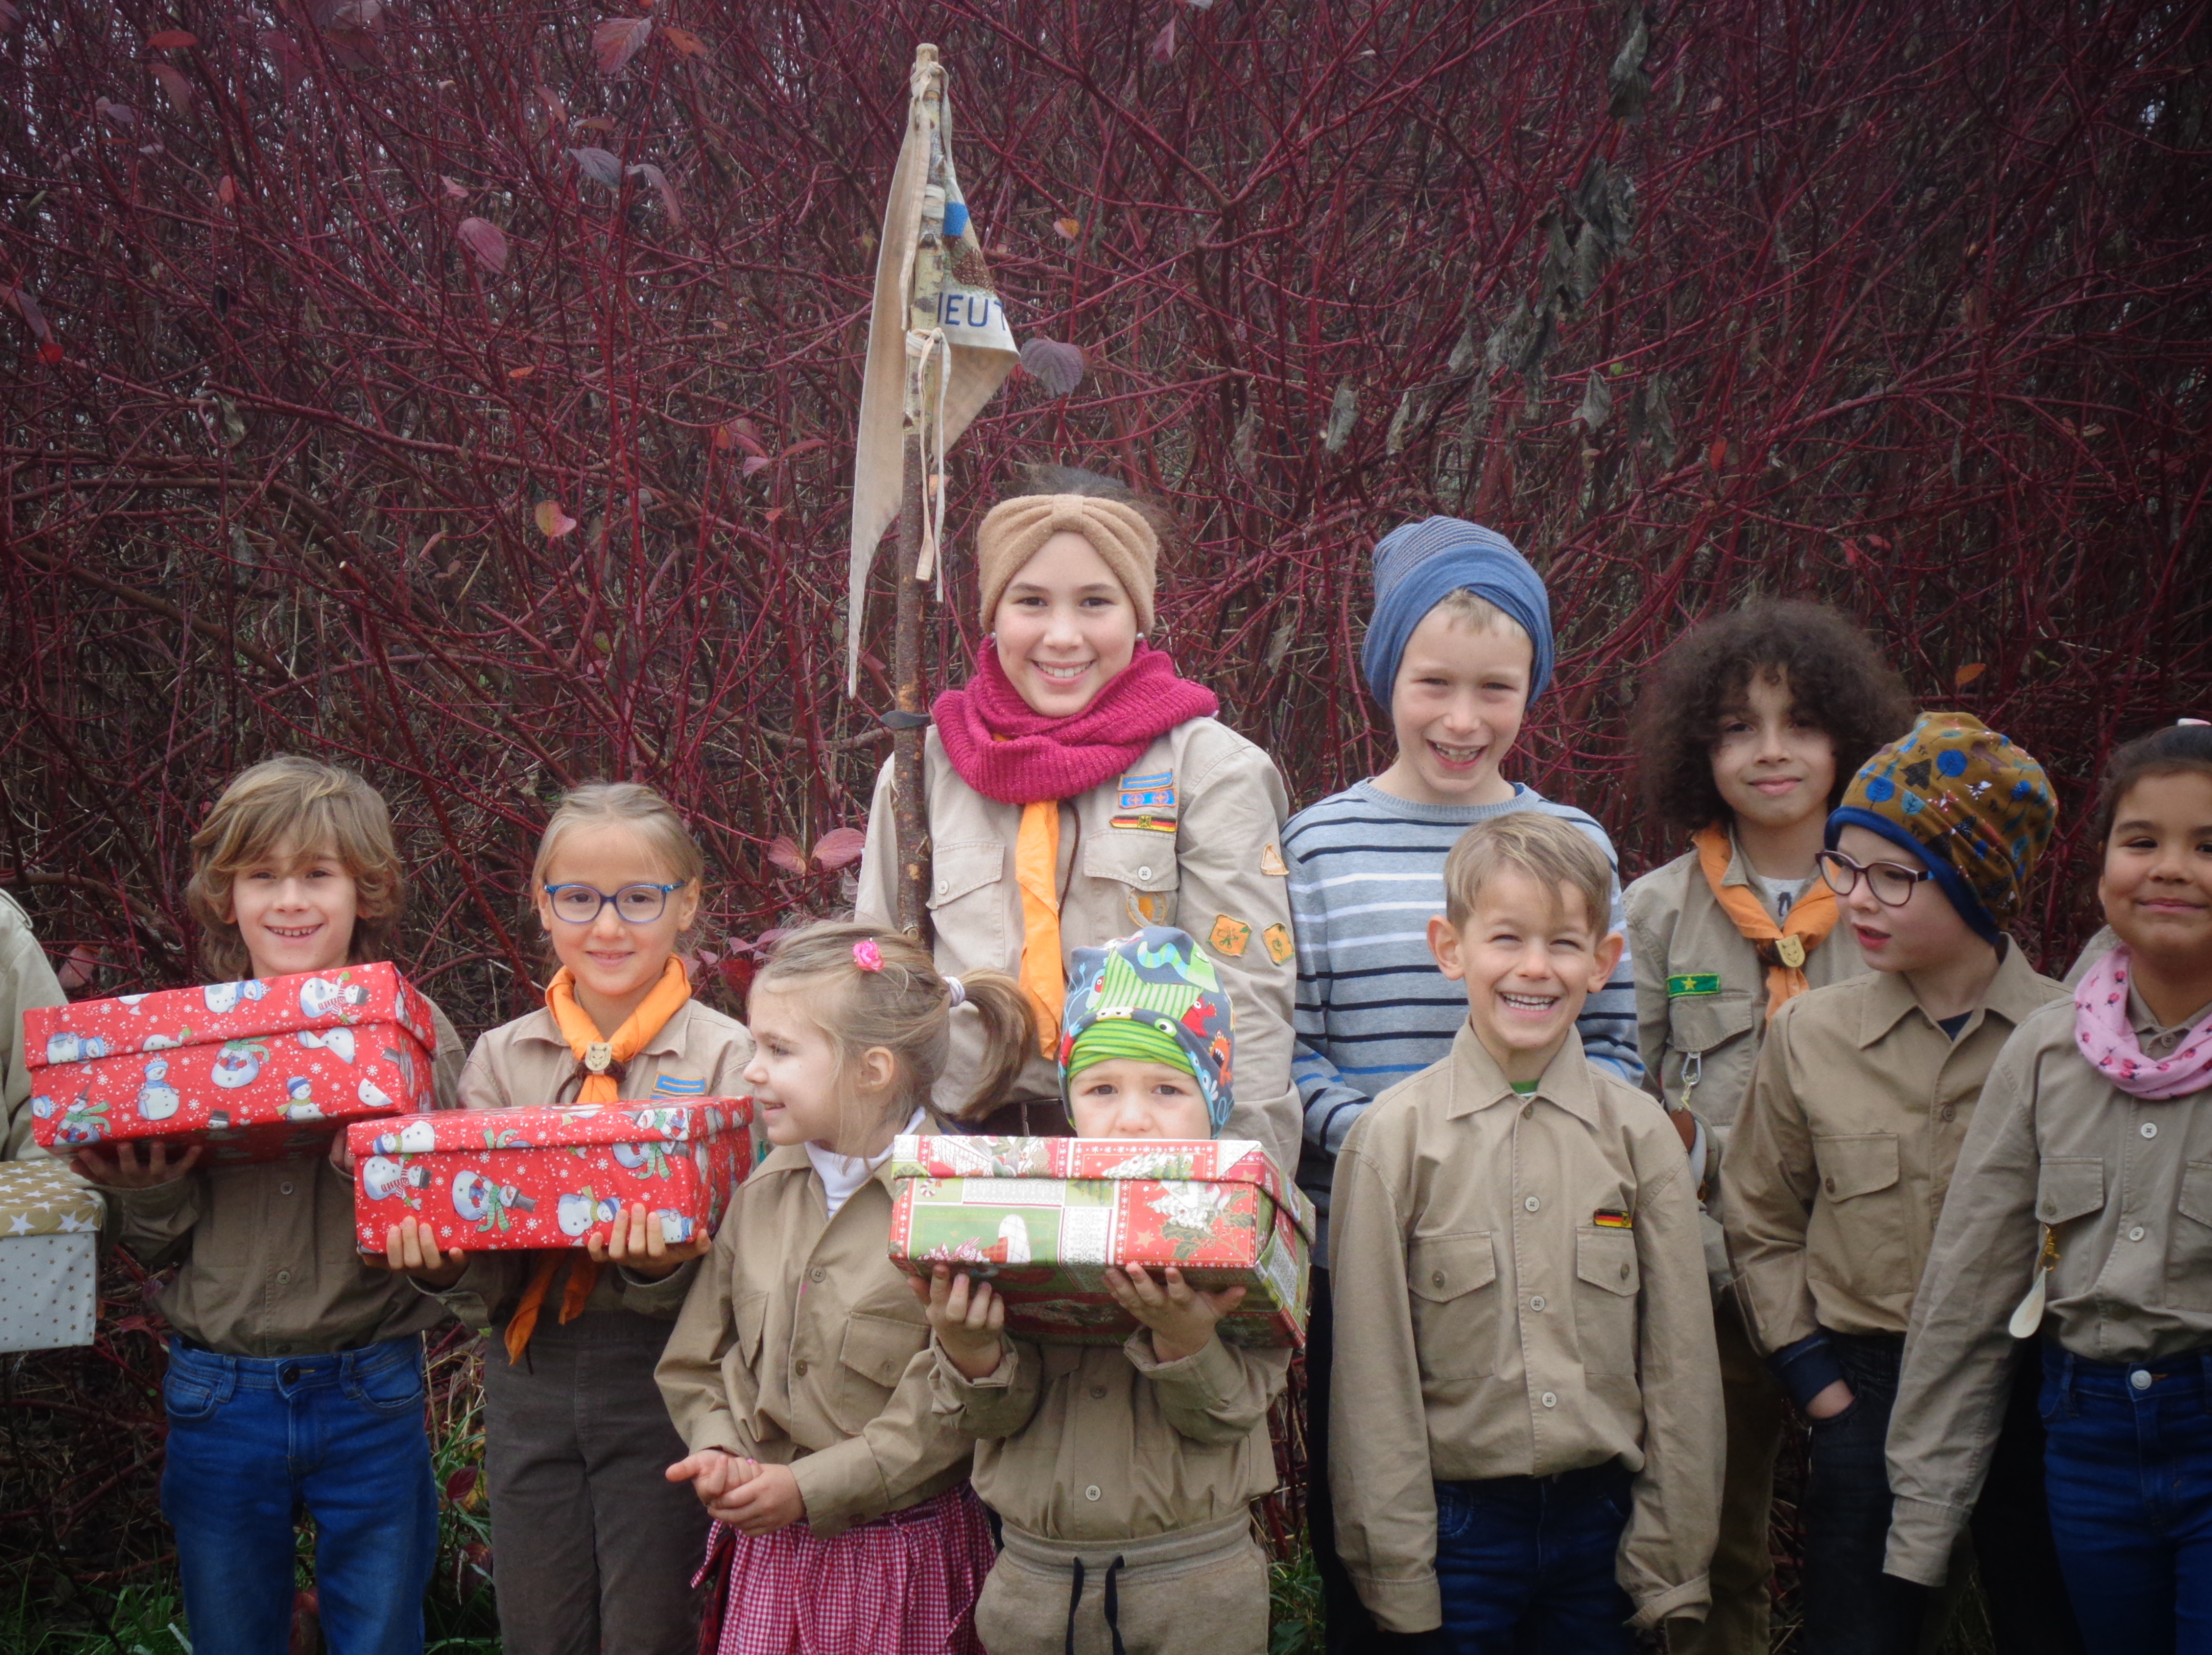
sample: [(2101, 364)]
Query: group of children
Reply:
[(1606, 1177)]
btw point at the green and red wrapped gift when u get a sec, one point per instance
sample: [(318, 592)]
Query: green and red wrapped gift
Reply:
[(1041, 1219)]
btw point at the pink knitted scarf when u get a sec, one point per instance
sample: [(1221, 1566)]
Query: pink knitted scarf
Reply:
[(1008, 751), (2102, 1032)]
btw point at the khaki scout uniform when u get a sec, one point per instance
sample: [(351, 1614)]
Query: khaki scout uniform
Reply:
[(596, 1546), (1189, 835), (26, 981), (1488, 1325), (802, 1345), (1700, 1015), (269, 1263), (2124, 1185), (1144, 1469), (1845, 1150)]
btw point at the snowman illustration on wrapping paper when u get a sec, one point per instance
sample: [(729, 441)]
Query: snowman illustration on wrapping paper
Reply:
[(82, 1123), (415, 1138), (486, 1204), (157, 1098), (300, 1103), (336, 1042), (239, 1062), (650, 1160), (320, 996), (222, 997), (382, 1178), (65, 1047), (576, 1214)]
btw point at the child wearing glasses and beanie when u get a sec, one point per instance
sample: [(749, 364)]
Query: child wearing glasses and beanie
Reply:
[(1843, 1150), (596, 1548)]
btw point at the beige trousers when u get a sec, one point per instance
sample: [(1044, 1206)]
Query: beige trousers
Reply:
[(1197, 1592)]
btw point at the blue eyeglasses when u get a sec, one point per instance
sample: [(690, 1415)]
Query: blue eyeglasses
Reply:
[(634, 904)]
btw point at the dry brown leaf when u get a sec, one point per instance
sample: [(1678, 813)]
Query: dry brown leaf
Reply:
[(783, 851), (839, 847), (1966, 674), (617, 40), (552, 522)]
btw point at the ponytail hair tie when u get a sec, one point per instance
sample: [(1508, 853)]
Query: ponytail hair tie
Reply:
[(867, 956), (958, 991)]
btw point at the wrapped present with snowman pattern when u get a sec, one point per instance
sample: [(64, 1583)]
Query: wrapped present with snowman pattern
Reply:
[(499, 1179), (1041, 1218), (49, 1257), (254, 1070)]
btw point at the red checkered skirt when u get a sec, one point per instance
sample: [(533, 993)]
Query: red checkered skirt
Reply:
[(904, 1584)]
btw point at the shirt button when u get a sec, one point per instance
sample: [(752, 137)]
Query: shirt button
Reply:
[(1537, 1303), (2140, 1379), (286, 1189), (1828, 1184), (1091, 1492), (1550, 1399), (944, 886), (1142, 873), (2136, 1234), (2150, 1128), (1527, 1110), (1532, 1203), (800, 1367), (2050, 1209), (284, 1275), (1436, 1278), (1098, 1393), (815, 1274), (1624, 1273), (1947, 1112)]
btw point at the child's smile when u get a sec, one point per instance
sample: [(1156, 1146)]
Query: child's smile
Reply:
[(295, 912), (1529, 959)]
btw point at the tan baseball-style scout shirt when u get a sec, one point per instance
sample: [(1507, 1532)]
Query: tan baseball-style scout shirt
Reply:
[(802, 1345), (1086, 1444), (1189, 835), (26, 981), (1519, 1291), (1701, 1004), (527, 1064), (270, 1264), (1844, 1148), (2125, 1186)]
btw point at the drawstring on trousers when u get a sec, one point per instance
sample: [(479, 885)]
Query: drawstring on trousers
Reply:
[(1113, 1606)]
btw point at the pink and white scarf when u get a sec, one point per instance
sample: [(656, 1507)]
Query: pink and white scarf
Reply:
[(2102, 1031)]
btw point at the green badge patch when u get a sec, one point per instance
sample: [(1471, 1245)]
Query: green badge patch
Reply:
[(1694, 983)]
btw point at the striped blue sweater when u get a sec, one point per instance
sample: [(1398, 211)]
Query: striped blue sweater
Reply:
[(1366, 875)]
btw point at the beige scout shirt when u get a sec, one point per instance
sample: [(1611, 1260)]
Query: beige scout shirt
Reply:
[(1210, 863), (1701, 1005), (1844, 1149), (2125, 1184), (527, 1064), (802, 1345), (26, 981), (269, 1265), (1083, 1445), (1488, 1325)]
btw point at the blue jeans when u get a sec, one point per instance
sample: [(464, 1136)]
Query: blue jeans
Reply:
[(254, 1442), (1526, 1564), (1851, 1608), (2128, 1464)]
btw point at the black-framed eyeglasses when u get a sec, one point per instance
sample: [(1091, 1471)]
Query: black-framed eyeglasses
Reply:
[(634, 904), (1892, 883)]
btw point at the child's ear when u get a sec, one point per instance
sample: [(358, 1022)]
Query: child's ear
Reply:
[(1444, 943), (1609, 950), (877, 1069), (687, 906)]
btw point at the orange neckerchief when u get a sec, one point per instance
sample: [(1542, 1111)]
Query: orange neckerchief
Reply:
[(599, 1056), (1036, 870), (1782, 948)]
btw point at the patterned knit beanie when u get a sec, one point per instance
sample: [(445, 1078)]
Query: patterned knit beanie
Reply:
[(1976, 809), (1127, 998), (1416, 565)]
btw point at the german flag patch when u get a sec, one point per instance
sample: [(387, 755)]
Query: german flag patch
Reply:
[(1612, 1218)]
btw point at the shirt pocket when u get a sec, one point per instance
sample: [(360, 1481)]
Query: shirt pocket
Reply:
[(1607, 1282), (1453, 1279), (968, 903), (748, 1318), (1864, 1251), (2189, 1260), (871, 1359), (1139, 869), (1716, 1028)]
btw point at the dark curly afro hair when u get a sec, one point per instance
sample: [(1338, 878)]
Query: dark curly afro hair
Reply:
[(1837, 676)]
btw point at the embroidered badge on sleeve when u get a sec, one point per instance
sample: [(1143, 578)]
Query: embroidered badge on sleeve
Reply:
[(1692, 983), (1228, 936), (1277, 937)]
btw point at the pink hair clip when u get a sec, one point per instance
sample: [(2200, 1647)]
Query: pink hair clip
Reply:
[(867, 956)]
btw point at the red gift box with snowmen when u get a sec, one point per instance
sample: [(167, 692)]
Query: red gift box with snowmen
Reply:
[(495, 1179), (254, 1070)]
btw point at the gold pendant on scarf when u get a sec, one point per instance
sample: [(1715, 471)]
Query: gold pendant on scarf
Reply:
[(1791, 950), (599, 1056)]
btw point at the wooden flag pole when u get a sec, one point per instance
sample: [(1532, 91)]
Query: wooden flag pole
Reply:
[(912, 722)]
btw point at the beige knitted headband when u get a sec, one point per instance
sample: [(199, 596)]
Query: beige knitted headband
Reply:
[(1015, 528)]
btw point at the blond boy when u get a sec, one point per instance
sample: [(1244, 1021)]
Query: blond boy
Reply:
[(1525, 1429)]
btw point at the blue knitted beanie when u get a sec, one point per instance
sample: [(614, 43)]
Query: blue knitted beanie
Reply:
[(1417, 564)]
